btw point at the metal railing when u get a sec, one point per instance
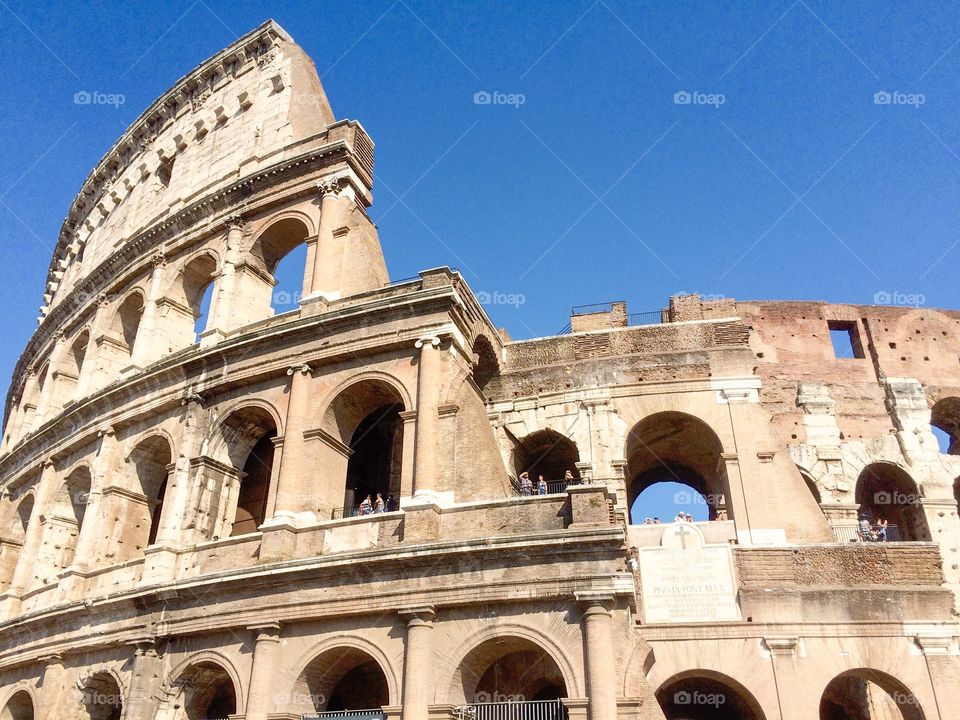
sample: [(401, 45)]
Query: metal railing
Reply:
[(358, 510), (530, 710), (555, 487), (645, 318), (591, 309), (373, 714), (847, 532)]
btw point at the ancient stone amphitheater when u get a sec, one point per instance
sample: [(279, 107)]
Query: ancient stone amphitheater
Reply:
[(179, 530)]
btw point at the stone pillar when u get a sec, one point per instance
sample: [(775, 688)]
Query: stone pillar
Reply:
[(788, 678), (26, 565), (261, 697), (87, 369), (145, 344), (144, 681), (324, 272), (18, 420), (417, 665), (54, 702), (428, 419), (291, 493), (736, 502), (221, 313), (176, 514), (104, 463), (598, 659), (944, 670)]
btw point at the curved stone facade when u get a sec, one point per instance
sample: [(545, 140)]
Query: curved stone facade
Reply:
[(182, 532)]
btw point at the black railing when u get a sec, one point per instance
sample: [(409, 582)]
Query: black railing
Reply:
[(845, 532), (531, 710), (555, 487), (645, 318), (591, 309), (376, 714), (565, 330)]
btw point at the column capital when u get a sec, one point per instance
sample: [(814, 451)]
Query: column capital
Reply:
[(234, 221), (332, 186), (107, 430), (422, 615), (303, 369), (429, 340), (158, 260), (191, 397), (596, 603), (934, 644), (266, 632), (782, 646)]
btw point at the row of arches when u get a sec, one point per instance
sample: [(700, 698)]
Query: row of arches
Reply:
[(502, 669), (182, 303)]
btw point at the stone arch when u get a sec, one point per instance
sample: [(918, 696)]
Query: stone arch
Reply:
[(66, 515), (885, 491), (21, 705), (672, 446), (811, 485), (331, 673), (701, 694), (205, 685), (945, 416), (545, 452), (364, 450), (470, 661), (76, 358), (196, 275), (851, 695), (125, 323), (245, 439), (102, 696), (486, 365), (150, 462), (279, 237)]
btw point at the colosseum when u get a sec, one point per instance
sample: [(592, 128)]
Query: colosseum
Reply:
[(336, 511)]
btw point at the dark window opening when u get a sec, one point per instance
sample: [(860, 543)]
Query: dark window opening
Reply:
[(252, 502), (845, 339), (165, 172)]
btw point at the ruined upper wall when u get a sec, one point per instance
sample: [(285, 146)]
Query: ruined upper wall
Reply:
[(242, 109)]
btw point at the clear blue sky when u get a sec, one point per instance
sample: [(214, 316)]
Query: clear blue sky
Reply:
[(599, 186)]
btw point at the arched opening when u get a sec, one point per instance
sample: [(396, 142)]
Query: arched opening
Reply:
[(24, 511), (126, 322), (76, 357), (508, 669), (945, 422), (366, 418), (890, 502), (703, 696), (204, 690), (249, 434), (198, 288), (281, 252), (18, 707), (102, 698), (811, 486), (66, 518), (683, 454), (485, 364), (341, 679), (151, 461), (547, 453), (866, 694)]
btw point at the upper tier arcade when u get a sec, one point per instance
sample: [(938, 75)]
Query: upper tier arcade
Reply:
[(245, 137)]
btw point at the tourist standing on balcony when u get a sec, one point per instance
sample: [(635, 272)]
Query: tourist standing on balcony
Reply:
[(882, 529), (378, 504), (526, 487), (541, 486), (568, 478), (366, 507)]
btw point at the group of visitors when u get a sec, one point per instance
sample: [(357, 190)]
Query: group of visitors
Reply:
[(876, 532), (683, 517), (527, 487), (378, 505)]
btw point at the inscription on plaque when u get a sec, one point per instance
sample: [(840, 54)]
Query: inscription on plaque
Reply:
[(684, 580)]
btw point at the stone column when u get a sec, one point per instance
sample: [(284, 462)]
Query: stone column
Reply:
[(290, 490), (19, 424), (221, 312), (176, 516), (143, 681), (324, 273), (145, 345), (88, 368), (428, 420), (417, 665), (261, 697), (104, 463), (54, 701), (598, 658), (47, 405), (944, 671)]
